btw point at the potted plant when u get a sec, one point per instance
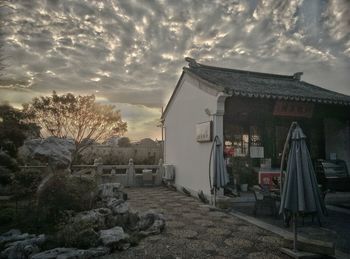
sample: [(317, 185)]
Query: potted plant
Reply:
[(247, 177)]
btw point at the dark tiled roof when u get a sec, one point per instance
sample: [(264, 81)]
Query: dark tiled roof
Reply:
[(254, 84)]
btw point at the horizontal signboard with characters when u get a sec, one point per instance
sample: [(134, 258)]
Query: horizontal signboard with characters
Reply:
[(293, 109)]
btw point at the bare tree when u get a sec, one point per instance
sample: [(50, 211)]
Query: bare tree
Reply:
[(78, 117)]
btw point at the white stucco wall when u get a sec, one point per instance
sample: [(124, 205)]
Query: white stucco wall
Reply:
[(191, 159)]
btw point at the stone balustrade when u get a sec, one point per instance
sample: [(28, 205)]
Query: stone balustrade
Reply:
[(127, 175)]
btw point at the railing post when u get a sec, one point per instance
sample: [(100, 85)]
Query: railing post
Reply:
[(159, 173), (98, 170), (130, 174)]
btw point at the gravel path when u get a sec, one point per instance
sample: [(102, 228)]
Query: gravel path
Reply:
[(192, 231)]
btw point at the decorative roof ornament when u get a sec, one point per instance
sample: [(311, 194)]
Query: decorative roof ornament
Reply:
[(191, 62)]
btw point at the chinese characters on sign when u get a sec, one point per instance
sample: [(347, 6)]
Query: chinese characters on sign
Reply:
[(269, 178), (294, 109), (204, 131)]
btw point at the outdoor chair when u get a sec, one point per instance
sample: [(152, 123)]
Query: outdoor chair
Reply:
[(323, 196), (264, 200)]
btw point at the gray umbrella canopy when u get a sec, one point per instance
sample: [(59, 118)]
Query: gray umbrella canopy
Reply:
[(220, 176), (300, 189)]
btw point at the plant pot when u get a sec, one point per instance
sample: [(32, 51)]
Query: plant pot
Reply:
[(244, 187)]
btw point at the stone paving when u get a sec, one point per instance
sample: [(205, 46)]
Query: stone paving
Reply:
[(193, 231)]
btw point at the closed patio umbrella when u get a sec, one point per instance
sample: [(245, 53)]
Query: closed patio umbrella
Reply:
[(300, 192), (220, 176)]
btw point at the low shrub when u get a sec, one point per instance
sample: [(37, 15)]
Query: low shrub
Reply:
[(6, 216), (62, 192), (26, 182), (8, 162), (5, 176), (249, 176), (8, 166), (77, 235)]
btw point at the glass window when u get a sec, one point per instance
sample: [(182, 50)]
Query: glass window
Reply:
[(255, 136)]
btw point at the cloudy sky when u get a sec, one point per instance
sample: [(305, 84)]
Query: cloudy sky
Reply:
[(131, 53)]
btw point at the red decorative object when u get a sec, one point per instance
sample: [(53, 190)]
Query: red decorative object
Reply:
[(266, 178)]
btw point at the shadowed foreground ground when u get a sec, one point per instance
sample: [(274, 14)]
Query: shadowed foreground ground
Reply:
[(192, 231)]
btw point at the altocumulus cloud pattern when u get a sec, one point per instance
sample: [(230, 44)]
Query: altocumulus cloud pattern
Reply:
[(131, 53)]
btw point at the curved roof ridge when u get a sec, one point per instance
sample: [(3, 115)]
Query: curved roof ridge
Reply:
[(247, 72)]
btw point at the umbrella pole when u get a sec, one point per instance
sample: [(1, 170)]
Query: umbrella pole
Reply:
[(214, 197), (294, 123), (295, 232)]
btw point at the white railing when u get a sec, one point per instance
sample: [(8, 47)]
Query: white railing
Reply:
[(127, 175)]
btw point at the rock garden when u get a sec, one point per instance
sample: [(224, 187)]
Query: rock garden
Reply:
[(59, 215), (110, 226)]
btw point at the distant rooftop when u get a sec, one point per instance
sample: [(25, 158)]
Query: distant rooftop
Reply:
[(254, 84)]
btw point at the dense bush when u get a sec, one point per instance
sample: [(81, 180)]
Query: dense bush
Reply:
[(62, 192), (6, 216), (5, 176), (7, 161), (8, 165), (26, 182)]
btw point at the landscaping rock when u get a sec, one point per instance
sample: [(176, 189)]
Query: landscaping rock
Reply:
[(114, 238), (12, 236), (98, 251), (71, 253), (60, 252), (151, 223), (23, 248), (55, 151), (96, 218), (80, 231), (118, 206)]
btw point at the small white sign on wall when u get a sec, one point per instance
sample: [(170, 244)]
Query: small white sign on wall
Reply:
[(204, 131), (256, 152)]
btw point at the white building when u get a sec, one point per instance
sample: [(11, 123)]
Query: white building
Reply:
[(193, 101), (243, 108)]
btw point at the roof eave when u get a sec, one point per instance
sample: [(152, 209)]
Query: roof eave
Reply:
[(288, 97)]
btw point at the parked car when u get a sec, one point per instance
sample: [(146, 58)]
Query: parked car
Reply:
[(333, 175)]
